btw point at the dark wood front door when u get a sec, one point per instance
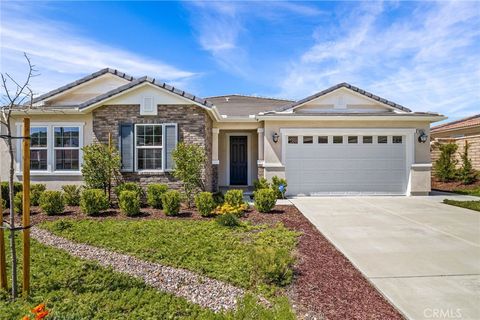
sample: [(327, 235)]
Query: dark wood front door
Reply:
[(238, 160)]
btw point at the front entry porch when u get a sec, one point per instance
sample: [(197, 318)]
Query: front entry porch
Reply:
[(235, 154)]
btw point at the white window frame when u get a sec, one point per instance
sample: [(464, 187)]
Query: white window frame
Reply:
[(163, 147), (50, 147), (41, 148), (65, 148)]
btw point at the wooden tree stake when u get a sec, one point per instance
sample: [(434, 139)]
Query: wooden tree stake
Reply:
[(3, 259), (26, 206)]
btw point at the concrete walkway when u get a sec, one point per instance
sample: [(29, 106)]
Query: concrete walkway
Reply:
[(423, 255)]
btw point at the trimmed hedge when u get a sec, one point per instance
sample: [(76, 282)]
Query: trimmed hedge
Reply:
[(72, 194), (171, 201), (129, 203), (205, 203), (234, 197), (93, 201), (36, 191), (17, 187), (154, 194), (130, 186), (52, 202), (265, 200)]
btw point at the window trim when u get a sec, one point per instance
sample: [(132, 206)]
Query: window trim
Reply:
[(54, 149), (40, 148), (163, 147), (50, 151)]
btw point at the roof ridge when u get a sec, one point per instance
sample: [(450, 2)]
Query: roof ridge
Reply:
[(86, 78), (351, 87), (249, 96), (455, 121)]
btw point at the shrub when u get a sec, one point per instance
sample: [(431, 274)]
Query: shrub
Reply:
[(18, 202), (52, 202), (228, 220), (205, 203), (154, 194), (218, 198), (129, 186), (171, 201), (271, 265), (17, 187), (189, 162), (261, 183), (445, 169), (129, 203), (265, 200), (101, 166), (234, 197), (279, 185), (71, 194), (3, 204), (229, 209), (466, 173), (93, 201), (36, 191)]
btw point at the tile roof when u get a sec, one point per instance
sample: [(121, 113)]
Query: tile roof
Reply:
[(83, 80), (468, 122), (353, 88), (139, 81), (236, 105)]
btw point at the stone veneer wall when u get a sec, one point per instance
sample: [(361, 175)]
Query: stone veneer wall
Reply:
[(473, 151), (194, 126)]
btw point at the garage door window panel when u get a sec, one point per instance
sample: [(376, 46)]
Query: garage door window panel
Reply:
[(367, 139), (397, 139), (352, 139), (292, 139), (322, 140), (337, 139), (307, 139), (382, 139)]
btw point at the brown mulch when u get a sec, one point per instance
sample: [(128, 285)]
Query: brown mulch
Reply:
[(450, 186), (326, 283)]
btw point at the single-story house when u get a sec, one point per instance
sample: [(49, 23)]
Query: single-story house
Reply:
[(342, 140)]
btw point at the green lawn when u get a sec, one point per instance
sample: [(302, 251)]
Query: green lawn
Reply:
[(77, 289), (201, 246), (472, 205), (470, 192)]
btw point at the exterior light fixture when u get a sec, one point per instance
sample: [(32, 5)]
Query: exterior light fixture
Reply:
[(422, 136), (275, 137)]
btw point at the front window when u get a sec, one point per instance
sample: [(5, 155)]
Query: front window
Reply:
[(149, 146), (67, 148), (38, 148)]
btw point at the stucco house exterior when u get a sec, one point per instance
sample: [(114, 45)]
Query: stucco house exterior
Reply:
[(342, 140)]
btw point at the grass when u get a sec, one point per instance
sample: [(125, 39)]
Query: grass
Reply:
[(75, 289), (201, 246), (472, 205), (471, 192)]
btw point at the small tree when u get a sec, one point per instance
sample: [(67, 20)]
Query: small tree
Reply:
[(101, 166), (466, 173), (189, 164), (445, 166)]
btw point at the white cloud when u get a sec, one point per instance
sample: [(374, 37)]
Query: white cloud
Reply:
[(426, 60), (62, 55)]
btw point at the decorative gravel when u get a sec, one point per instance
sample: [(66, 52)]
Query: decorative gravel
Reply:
[(206, 292)]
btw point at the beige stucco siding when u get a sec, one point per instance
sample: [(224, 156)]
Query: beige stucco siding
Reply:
[(273, 151), (457, 133), (52, 181), (223, 154)]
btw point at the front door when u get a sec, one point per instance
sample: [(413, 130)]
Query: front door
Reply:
[(238, 160)]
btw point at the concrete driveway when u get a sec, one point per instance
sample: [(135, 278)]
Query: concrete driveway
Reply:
[(423, 255)]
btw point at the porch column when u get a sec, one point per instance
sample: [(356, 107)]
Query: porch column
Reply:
[(215, 161), (261, 159)]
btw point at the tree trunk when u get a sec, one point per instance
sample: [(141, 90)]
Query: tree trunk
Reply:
[(12, 212)]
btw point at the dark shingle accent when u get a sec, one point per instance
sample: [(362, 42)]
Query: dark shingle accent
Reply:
[(139, 81), (348, 86), (83, 80)]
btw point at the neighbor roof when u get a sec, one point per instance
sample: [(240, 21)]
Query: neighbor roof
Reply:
[(140, 81), (348, 86), (236, 105), (83, 80), (468, 122)]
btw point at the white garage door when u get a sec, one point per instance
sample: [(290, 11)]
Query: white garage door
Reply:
[(345, 164)]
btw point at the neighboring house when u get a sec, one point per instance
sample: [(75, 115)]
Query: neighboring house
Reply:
[(469, 126), (340, 140), (458, 132)]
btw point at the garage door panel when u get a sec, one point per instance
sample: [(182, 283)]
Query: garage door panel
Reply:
[(346, 168)]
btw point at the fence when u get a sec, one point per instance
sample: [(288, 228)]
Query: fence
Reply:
[(473, 151)]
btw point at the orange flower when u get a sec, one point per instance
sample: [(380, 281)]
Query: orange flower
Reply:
[(26, 318), (38, 308), (41, 315)]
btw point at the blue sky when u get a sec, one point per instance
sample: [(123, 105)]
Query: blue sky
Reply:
[(424, 55)]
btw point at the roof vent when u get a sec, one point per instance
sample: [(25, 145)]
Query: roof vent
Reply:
[(227, 98)]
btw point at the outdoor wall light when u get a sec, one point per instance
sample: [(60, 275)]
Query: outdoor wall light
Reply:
[(422, 136), (275, 137)]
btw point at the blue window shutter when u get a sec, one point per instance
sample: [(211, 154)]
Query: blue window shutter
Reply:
[(126, 146), (170, 144)]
